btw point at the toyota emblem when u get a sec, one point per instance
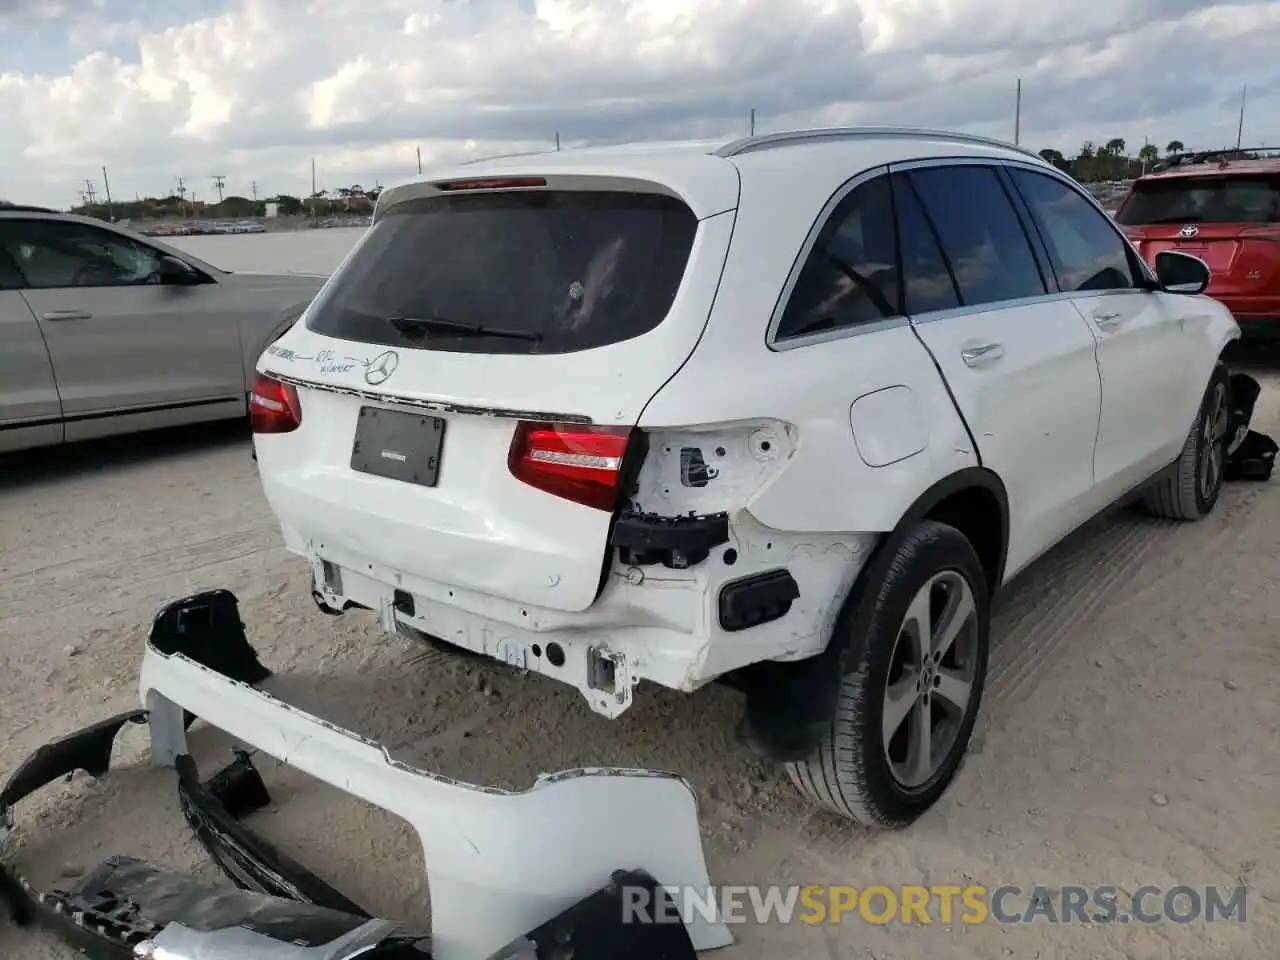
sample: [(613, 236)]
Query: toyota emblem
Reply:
[(381, 368), (1189, 231)]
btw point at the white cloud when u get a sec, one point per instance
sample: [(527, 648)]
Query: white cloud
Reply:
[(256, 88)]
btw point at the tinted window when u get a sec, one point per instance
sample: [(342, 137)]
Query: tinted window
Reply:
[(53, 253), (926, 279), (568, 270), (10, 276), (981, 235), (1086, 249), (1231, 199), (851, 274)]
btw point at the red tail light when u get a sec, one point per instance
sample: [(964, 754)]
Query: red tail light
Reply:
[(1261, 233), (578, 463), (492, 183), (274, 406)]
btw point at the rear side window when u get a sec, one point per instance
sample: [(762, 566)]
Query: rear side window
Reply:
[(1086, 250), (982, 238), (1210, 199), (851, 275), (522, 272), (926, 278)]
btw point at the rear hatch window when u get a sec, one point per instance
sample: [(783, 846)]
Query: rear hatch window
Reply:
[(1211, 199), (532, 271)]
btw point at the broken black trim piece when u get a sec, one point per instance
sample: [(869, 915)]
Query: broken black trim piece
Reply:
[(249, 861), (590, 929), (760, 598), (644, 539), (206, 628)]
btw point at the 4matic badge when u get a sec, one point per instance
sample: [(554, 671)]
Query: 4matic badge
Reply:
[(381, 368)]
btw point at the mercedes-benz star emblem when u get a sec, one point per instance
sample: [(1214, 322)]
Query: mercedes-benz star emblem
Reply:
[(381, 368), (1189, 231)]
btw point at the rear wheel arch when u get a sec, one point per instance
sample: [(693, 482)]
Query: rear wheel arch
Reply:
[(787, 708), (975, 502)]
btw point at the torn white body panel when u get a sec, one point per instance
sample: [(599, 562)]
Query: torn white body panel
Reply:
[(498, 863)]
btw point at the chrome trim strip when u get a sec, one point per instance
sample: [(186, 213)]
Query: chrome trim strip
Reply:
[(435, 406)]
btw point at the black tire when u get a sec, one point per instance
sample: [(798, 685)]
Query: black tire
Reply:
[(1182, 495), (851, 772)]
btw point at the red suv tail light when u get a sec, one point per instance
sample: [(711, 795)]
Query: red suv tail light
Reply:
[(572, 461), (274, 406)]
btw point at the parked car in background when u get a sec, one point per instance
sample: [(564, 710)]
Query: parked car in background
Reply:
[(785, 411), (1224, 211), (103, 331)]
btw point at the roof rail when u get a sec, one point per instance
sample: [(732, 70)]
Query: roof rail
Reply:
[(7, 207), (787, 137), (505, 156), (1205, 156)]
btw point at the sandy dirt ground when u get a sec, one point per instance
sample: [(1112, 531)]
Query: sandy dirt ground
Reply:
[(1130, 735)]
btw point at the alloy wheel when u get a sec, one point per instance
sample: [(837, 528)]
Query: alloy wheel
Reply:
[(931, 678)]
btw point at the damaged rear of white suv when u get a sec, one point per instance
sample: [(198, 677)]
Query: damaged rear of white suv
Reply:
[(784, 412)]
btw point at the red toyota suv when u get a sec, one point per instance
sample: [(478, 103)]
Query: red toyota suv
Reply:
[(1224, 211)]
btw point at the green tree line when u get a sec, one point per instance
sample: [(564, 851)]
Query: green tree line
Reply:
[(1109, 160), (355, 200)]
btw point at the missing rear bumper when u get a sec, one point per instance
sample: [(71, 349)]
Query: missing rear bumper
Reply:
[(569, 893)]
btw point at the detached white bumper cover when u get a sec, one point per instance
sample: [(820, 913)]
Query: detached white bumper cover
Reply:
[(498, 863)]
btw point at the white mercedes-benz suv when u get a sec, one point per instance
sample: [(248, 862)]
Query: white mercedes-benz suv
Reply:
[(785, 411)]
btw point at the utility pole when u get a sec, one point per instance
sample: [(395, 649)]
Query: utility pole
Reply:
[(313, 176), (557, 141), (218, 181), (107, 185), (419, 150), (254, 187), (753, 121), (1244, 97), (90, 196), (182, 196), (1017, 116)]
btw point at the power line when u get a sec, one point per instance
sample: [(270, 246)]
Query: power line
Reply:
[(218, 181)]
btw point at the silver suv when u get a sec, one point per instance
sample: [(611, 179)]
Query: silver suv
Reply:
[(103, 331)]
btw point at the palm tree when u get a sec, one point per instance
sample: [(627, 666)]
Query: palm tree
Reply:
[(1175, 146), (1148, 155)]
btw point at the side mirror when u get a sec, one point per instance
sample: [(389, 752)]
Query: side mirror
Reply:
[(1181, 272), (177, 272)]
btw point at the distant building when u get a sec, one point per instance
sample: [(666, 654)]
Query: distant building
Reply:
[(273, 210)]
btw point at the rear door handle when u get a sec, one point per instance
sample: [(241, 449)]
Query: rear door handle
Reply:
[(979, 353), (1108, 321), (68, 315)]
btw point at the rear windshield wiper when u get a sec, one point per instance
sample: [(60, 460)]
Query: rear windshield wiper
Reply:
[(416, 326)]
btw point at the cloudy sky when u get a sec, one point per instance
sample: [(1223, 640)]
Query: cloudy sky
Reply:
[(254, 89)]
